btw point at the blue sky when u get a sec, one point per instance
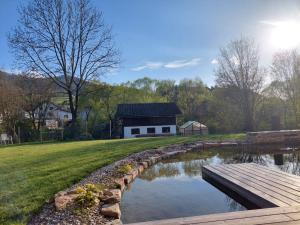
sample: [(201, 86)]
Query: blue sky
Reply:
[(175, 39)]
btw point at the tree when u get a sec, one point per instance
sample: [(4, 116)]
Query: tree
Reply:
[(192, 95), (238, 68), (36, 94), (286, 72), (167, 89), (66, 41), (10, 106)]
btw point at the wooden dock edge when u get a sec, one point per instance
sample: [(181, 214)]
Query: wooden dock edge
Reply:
[(251, 197)]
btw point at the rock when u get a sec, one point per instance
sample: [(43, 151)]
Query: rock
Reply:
[(140, 169), (134, 173), (128, 179), (74, 191), (158, 158), (149, 162), (62, 201), (153, 160), (120, 183), (144, 164), (112, 196), (115, 222), (61, 193), (111, 210)]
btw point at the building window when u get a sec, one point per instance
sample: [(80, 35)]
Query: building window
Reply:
[(166, 130), (66, 116), (135, 131), (151, 130)]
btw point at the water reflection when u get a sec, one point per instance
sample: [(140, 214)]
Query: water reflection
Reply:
[(175, 188), (162, 170)]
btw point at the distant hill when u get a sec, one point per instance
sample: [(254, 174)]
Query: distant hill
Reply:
[(60, 97)]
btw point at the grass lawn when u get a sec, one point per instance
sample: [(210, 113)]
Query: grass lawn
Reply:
[(30, 174)]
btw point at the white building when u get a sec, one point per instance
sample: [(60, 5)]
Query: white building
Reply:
[(53, 115), (148, 119)]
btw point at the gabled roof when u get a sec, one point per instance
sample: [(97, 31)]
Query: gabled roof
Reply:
[(147, 110), (60, 107), (194, 123)]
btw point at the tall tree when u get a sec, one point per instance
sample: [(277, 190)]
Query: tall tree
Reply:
[(238, 68), (286, 73), (191, 98), (66, 41)]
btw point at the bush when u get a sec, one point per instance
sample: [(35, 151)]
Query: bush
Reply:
[(125, 169), (27, 133), (84, 137), (89, 195), (72, 132)]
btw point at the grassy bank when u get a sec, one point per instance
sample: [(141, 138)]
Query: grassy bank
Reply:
[(31, 174)]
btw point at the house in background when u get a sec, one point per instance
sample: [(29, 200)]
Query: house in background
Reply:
[(193, 127), (57, 115), (148, 119), (51, 115)]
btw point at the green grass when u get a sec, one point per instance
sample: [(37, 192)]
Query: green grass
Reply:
[(31, 174)]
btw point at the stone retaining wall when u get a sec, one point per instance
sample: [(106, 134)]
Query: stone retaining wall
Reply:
[(273, 137)]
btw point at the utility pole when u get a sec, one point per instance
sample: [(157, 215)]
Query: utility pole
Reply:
[(41, 136), (110, 129), (19, 135)]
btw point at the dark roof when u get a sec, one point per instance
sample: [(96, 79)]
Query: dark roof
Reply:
[(147, 110)]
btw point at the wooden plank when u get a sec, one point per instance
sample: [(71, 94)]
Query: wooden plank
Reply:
[(268, 189), (252, 187), (280, 189), (259, 216), (261, 174), (249, 181), (274, 174), (253, 195)]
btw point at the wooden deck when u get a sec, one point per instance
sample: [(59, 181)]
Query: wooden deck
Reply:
[(278, 216), (261, 186)]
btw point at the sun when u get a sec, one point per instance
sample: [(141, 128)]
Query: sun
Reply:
[(285, 35)]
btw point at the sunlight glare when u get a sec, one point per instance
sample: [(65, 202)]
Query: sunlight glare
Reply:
[(285, 35)]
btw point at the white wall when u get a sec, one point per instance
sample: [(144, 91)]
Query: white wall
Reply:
[(143, 130), (60, 115)]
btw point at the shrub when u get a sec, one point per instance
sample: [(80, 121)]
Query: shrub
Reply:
[(89, 195), (125, 169)]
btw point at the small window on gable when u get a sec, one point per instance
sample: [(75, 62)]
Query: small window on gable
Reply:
[(166, 130), (151, 130), (135, 131)]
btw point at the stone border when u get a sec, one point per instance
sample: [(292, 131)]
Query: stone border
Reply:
[(60, 210)]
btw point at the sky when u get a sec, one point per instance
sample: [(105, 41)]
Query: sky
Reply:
[(177, 39)]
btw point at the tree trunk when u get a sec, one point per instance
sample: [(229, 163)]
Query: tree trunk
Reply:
[(73, 108)]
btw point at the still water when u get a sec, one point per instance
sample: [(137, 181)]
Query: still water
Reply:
[(175, 188)]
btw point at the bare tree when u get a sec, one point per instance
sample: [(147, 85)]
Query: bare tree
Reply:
[(238, 68), (66, 41), (10, 106), (286, 72), (37, 93)]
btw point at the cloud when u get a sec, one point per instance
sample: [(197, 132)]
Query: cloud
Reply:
[(148, 65), (169, 65), (182, 63), (214, 61)]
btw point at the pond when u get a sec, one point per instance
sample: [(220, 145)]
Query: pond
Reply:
[(175, 188)]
